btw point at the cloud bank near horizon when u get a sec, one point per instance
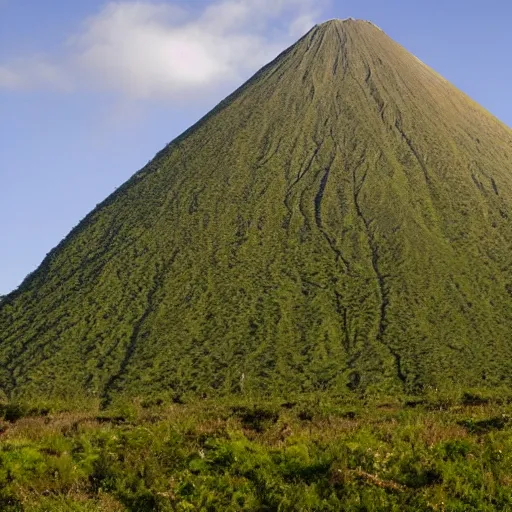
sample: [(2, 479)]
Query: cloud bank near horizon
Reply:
[(147, 49)]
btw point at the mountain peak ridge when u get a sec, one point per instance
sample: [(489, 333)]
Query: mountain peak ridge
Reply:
[(345, 21)]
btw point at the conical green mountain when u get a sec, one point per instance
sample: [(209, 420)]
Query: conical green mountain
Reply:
[(342, 221)]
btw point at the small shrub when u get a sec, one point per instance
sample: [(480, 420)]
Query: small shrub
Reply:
[(256, 418), (415, 473), (14, 411), (306, 415), (414, 403), (485, 426), (455, 449), (474, 399), (152, 402)]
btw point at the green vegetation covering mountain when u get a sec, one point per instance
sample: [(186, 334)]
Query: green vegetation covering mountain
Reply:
[(341, 222)]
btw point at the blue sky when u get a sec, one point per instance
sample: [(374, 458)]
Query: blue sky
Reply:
[(90, 91)]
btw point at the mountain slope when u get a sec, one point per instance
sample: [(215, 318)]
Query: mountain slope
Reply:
[(341, 221)]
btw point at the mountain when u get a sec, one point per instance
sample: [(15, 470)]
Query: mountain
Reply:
[(341, 222)]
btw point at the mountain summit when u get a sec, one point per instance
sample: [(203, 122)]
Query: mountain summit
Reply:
[(342, 221)]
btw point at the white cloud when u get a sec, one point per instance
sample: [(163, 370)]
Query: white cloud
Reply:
[(301, 24), (146, 49), (9, 79), (33, 72)]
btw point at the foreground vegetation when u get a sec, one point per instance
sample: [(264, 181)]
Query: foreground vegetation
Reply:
[(314, 453)]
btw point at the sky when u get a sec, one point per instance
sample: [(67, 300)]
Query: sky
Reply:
[(90, 91)]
